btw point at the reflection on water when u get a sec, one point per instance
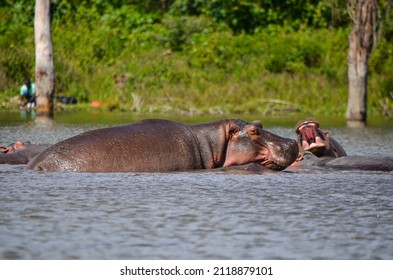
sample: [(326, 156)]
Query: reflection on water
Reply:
[(295, 214)]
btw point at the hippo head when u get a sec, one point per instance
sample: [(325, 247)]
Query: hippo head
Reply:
[(251, 143), (311, 138)]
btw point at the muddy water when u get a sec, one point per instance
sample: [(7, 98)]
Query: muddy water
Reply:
[(294, 214)]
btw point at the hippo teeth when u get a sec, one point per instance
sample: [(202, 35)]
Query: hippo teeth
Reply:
[(305, 144), (266, 162)]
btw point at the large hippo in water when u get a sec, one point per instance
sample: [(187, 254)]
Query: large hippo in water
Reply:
[(160, 145), (20, 152)]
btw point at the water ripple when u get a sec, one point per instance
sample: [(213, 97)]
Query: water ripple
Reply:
[(314, 214)]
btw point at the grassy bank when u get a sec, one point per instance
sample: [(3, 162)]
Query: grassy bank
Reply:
[(192, 66)]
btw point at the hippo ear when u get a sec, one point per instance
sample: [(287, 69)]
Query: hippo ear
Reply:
[(233, 130), (3, 149), (258, 124)]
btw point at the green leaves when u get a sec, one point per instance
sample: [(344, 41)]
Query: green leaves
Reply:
[(215, 56)]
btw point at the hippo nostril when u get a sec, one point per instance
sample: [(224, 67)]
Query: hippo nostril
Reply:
[(284, 154)]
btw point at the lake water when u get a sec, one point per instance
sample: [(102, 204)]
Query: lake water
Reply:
[(294, 214)]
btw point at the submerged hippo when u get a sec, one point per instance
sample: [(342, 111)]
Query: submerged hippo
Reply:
[(371, 163), (20, 152), (161, 145)]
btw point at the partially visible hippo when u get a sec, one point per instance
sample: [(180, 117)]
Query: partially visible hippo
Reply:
[(20, 152), (160, 145), (372, 163), (12, 148), (310, 137), (318, 149)]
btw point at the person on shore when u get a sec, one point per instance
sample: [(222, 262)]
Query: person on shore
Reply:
[(27, 95)]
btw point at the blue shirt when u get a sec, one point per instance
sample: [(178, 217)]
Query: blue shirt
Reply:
[(28, 92)]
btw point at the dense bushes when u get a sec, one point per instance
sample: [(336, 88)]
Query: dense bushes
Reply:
[(196, 56)]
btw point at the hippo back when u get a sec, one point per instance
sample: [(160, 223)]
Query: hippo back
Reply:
[(149, 145)]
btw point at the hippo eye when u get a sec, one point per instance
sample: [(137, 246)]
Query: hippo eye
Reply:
[(254, 131)]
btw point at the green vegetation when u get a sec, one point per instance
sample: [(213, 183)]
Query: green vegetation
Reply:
[(197, 57)]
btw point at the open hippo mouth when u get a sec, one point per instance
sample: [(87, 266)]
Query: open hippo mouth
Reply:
[(311, 138)]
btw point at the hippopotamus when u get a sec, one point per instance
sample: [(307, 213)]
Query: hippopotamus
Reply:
[(371, 163), (20, 152), (318, 149), (310, 137), (156, 145)]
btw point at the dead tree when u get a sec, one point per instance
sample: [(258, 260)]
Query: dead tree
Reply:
[(364, 14), (44, 65)]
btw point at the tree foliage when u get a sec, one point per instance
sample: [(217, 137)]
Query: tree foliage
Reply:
[(240, 15), (198, 45)]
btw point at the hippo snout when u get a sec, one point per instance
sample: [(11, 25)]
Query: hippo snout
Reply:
[(283, 153)]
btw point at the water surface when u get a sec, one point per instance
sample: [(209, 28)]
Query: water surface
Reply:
[(294, 214)]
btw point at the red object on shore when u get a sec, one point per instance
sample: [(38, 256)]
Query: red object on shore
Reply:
[(96, 103)]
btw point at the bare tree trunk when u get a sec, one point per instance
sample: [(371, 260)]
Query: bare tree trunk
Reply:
[(361, 42), (164, 6), (44, 66)]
